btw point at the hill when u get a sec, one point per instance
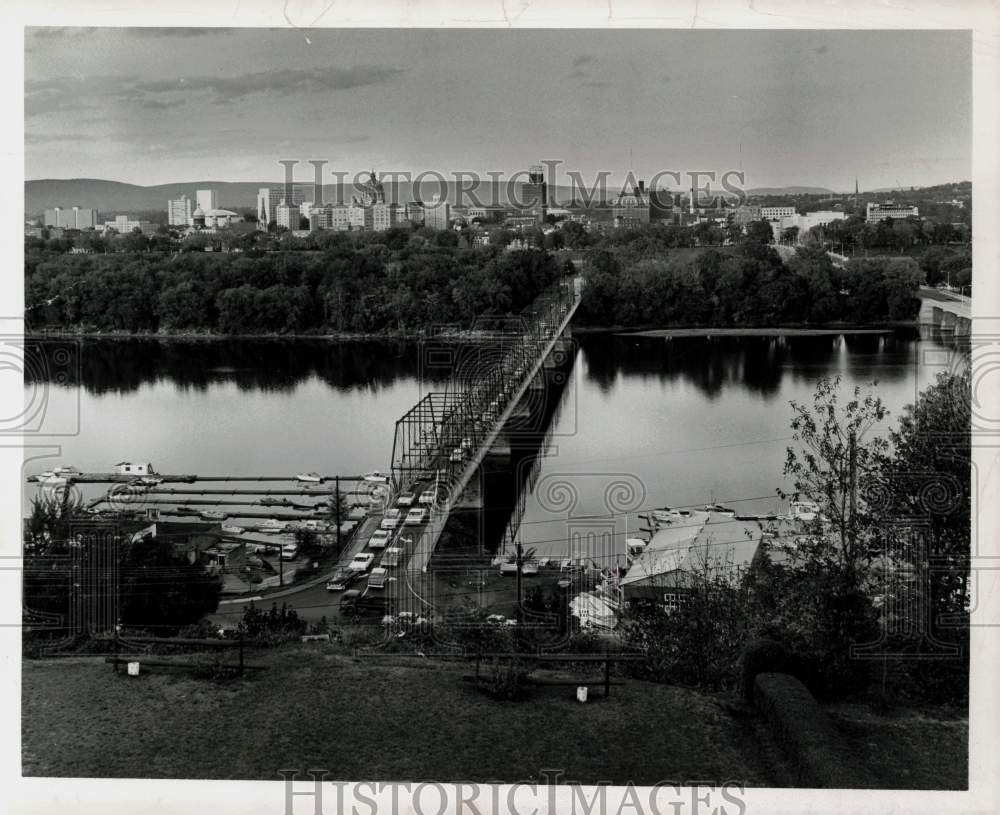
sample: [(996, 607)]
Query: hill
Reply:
[(116, 197)]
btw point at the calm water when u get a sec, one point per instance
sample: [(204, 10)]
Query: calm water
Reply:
[(674, 422)]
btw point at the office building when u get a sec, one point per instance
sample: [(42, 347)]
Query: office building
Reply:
[(415, 212), (125, 225), (74, 218), (437, 215), (747, 214), (287, 215), (631, 209), (386, 216), (268, 199), (207, 199), (179, 211), (776, 213), (880, 211), (534, 195)]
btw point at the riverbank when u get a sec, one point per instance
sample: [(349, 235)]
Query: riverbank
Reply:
[(469, 336)]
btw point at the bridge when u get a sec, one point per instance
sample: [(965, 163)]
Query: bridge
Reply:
[(497, 371), (442, 441), (946, 310)]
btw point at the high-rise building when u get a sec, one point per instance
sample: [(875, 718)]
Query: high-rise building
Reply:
[(415, 212), (534, 194), (179, 211), (437, 215), (207, 199), (268, 199), (75, 218), (385, 216), (287, 215), (631, 208)]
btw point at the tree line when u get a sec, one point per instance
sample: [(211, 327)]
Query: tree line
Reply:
[(639, 284), (359, 283)]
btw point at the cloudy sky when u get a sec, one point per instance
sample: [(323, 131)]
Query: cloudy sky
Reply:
[(151, 106)]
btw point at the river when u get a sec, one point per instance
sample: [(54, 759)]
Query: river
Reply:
[(671, 421)]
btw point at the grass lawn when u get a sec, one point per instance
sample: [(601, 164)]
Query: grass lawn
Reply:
[(907, 749), (371, 719)]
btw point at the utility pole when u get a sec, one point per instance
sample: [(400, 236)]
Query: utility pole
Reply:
[(520, 562), (336, 509)]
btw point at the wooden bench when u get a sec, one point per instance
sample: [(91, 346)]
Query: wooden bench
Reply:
[(123, 659), (607, 658)]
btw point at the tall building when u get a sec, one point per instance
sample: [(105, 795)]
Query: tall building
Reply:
[(179, 211), (415, 212), (631, 208), (437, 215), (268, 199), (880, 211), (360, 216), (287, 215), (207, 199), (534, 194), (386, 216), (75, 218)]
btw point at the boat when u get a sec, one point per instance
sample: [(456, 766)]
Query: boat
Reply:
[(66, 469), (212, 515), (148, 481), (718, 508), (666, 515), (635, 545), (269, 501), (529, 566), (309, 478), (376, 477)]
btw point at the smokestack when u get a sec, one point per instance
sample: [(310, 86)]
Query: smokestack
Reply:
[(692, 200), (642, 185)]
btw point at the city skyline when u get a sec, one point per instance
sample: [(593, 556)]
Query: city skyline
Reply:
[(789, 108)]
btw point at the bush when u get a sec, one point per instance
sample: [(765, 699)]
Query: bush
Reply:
[(762, 656), (506, 680)]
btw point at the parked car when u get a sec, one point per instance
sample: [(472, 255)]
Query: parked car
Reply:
[(416, 516), (378, 578), (380, 539), (391, 518), (405, 499), (341, 579), (289, 551), (362, 562)]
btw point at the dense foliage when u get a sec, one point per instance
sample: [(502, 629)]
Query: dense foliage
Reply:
[(394, 281), (747, 286), (873, 603)]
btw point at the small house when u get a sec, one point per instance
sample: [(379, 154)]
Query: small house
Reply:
[(131, 468)]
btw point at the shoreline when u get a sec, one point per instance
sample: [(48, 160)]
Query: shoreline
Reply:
[(410, 336)]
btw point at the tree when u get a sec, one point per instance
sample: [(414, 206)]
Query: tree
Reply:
[(160, 589), (838, 456), (759, 231)]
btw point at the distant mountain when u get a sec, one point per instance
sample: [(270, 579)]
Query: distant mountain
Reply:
[(789, 191), (117, 198)]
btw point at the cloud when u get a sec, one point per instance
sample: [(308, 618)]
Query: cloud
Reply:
[(176, 32), (584, 59), (53, 138), (60, 94), (289, 80), (822, 49)]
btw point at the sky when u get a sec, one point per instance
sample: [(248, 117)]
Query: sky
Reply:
[(816, 108)]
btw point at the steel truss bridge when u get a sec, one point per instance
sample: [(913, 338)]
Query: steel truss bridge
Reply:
[(442, 441)]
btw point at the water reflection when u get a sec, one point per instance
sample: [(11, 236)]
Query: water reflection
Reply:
[(755, 364), (123, 366)]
